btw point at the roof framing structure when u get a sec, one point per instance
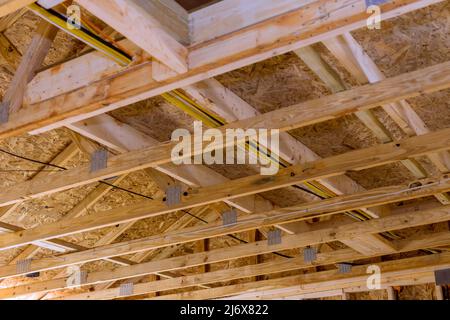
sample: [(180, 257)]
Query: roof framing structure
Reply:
[(181, 57)]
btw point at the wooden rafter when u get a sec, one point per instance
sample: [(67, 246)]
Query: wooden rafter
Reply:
[(9, 6), (138, 21), (336, 165), (289, 242), (174, 49), (426, 80), (204, 61), (265, 218)]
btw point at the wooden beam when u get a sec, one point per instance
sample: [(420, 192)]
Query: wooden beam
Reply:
[(334, 233), (271, 267), (355, 160), (217, 255), (438, 293), (138, 21), (31, 61), (223, 102), (332, 80), (214, 97), (228, 16), (284, 119), (139, 257), (102, 189), (416, 270), (217, 57), (337, 165), (323, 289), (10, 19), (391, 294), (121, 137), (9, 6)]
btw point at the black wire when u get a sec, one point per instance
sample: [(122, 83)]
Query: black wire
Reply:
[(31, 160)]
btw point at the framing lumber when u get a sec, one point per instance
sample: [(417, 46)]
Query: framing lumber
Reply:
[(9, 6), (223, 254), (332, 166), (138, 257), (232, 15), (353, 57), (31, 62), (99, 192), (333, 233), (361, 98), (121, 137), (391, 294), (314, 61), (149, 34), (336, 165), (325, 73), (205, 61), (409, 271), (439, 295), (271, 267), (210, 258)]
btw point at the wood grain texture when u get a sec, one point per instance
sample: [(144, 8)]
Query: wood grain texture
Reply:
[(327, 234), (329, 107), (217, 57)]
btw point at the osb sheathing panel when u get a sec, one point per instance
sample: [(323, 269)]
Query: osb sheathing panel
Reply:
[(403, 44)]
